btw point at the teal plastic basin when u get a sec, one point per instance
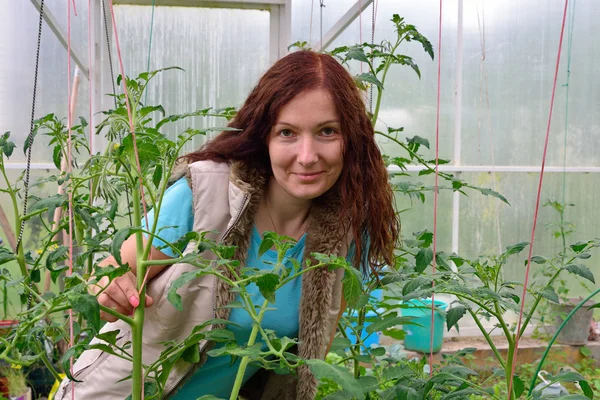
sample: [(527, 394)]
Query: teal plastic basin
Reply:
[(418, 337)]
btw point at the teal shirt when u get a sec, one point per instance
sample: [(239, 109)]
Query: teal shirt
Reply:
[(216, 377)]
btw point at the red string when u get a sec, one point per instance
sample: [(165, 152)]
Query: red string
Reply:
[(537, 202), (69, 162), (435, 192), (74, 9), (131, 127)]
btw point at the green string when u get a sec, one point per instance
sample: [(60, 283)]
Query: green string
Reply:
[(569, 48), (149, 49)]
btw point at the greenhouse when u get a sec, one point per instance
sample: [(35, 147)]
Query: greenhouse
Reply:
[(299, 199)]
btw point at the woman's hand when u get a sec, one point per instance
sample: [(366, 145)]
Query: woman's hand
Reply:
[(121, 293)]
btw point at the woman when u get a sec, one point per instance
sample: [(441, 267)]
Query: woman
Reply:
[(304, 164)]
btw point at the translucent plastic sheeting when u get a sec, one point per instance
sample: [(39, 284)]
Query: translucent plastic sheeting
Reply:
[(18, 42), (521, 44), (223, 53), (416, 215), (33, 228), (483, 218), (408, 101)]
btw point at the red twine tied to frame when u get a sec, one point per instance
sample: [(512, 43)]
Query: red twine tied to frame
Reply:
[(537, 202)]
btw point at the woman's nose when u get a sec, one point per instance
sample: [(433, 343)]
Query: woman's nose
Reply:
[(307, 151)]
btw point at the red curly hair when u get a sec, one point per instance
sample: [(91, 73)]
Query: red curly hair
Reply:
[(367, 198)]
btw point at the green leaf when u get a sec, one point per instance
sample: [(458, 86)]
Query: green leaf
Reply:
[(369, 77), (266, 285), (515, 249), (266, 244), (119, 238), (415, 284), (112, 213), (389, 321), (568, 376), (65, 361), (397, 334), (157, 175), (440, 260), (352, 286), (322, 370), (378, 351), (191, 354), (538, 259), (581, 270), (585, 351), (183, 279), (423, 259), (147, 151), (587, 390), (111, 272), (584, 256), (493, 193), (418, 140), (6, 146), (6, 255), (454, 315), (519, 386), (109, 337), (572, 397), (397, 372), (35, 275), (86, 216), (87, 306), (549, 293), (357, 53), (340, 343), (579, 246), (150, 389), (51, 203), (57, 156), (219, 335), (458, 370)]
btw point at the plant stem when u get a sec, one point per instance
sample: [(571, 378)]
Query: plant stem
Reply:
[(15, 204), (509, 368), (535, 304), (117, 314), (380, 90), (360, 322), (500, 318), (488, 339), (245, 360), (138, 320)]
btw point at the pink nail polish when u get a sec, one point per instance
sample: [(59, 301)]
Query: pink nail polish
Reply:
[(134, 301)]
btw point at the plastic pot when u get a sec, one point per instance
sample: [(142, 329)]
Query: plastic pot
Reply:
[(577, 329)]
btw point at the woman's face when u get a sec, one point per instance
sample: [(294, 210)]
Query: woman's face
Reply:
[(305, 145)]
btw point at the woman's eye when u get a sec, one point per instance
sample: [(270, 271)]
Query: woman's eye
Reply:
[(285, 133), (328, 131)]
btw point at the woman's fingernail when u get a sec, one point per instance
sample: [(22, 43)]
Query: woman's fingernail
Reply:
[(134, 301)]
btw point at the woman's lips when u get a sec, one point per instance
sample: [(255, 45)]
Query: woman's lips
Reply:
[(309, 177)]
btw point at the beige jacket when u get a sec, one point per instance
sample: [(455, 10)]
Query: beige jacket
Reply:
[(225, 199)]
